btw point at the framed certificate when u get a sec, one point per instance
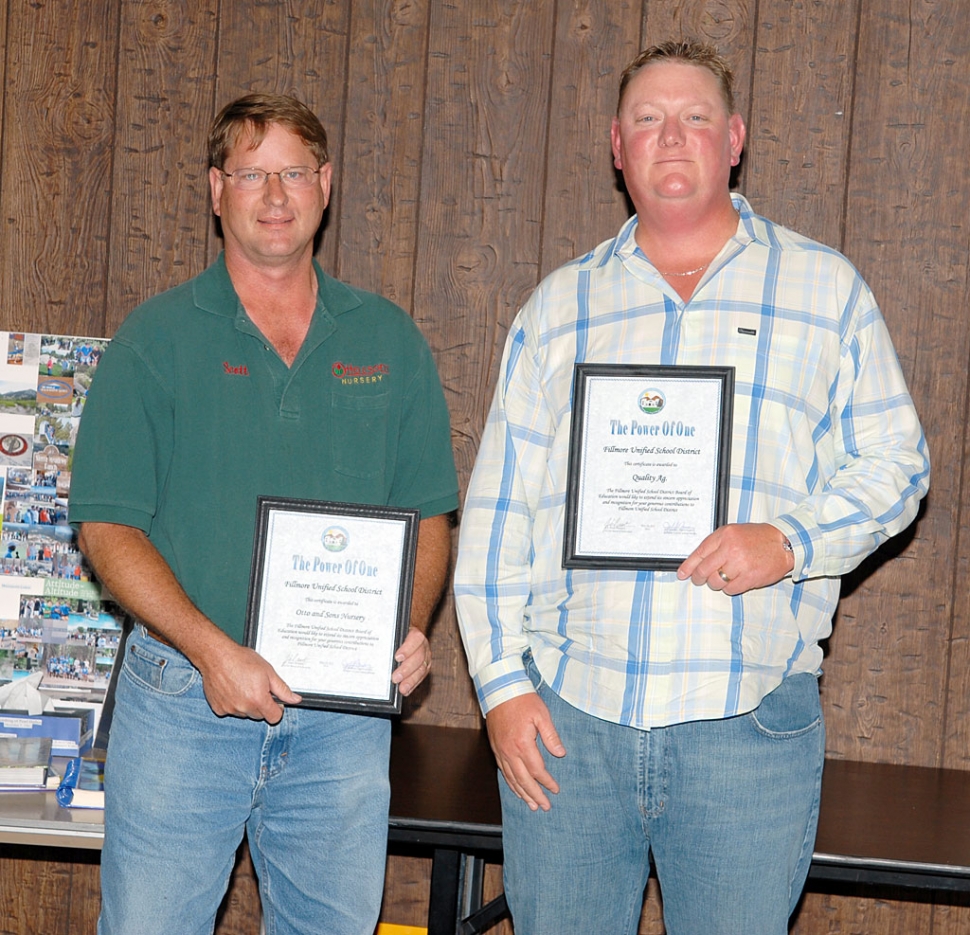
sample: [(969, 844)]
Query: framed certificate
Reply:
[(330, 599), (649, 464)]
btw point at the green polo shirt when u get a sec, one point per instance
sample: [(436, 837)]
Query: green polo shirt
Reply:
[(192, 415)]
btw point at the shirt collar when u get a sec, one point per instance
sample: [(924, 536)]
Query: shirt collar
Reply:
[(213, 291), (751, 229)]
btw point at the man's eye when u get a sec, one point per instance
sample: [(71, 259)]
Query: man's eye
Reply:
[(251, 175)]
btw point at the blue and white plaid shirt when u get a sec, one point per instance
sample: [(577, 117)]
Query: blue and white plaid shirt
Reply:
[(826, 446)]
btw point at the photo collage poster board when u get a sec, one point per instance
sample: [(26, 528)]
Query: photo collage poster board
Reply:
[(54, 616)]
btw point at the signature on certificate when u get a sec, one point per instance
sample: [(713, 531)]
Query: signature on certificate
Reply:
[(296, 661), (679, 529), (618, 524), (360, 666)]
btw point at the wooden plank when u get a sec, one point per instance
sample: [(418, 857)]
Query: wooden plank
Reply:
[(17, 886), (584, 199), (58, 132), (481, 201), (407, 890), (944, 260), (479, 237), (905, 231), (825, 913), (955, 920), (800, 114), (885, 683), (651, 918), (950, 920), (160, 207), (948, 266), (41, 893), (85, 894), (383, 148), (296, 47), (4, 15), (447, 697), (479, 234), (240, 910)]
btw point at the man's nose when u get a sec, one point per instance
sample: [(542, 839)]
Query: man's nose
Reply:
[(671, 133), (275, 189)]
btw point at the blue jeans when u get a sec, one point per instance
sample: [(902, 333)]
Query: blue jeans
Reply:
[(728, 809), (182, 785)]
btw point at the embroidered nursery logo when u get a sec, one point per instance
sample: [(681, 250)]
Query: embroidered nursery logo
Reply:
[(348, 373), (240, 370)]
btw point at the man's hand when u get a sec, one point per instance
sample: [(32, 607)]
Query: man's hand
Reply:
[(430, 574), (238, 682), (414, 661), (739, 557), (512, 730)]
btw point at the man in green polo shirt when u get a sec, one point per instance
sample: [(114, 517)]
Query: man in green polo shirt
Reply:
[(261, 376)]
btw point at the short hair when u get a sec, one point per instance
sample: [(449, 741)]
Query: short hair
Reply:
[(257, 113), (690, 52)]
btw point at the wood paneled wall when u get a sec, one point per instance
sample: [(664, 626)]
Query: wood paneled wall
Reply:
[(471, 155)]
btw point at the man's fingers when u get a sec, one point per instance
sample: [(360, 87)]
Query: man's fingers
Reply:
[(527, 782), (282, 692), (550, 739), (514, 729)]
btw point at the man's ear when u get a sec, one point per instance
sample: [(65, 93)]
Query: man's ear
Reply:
[(217, 182), (615, 143), (738, 132)]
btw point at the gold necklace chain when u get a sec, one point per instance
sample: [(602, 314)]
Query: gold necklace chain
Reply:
[(689, 272)]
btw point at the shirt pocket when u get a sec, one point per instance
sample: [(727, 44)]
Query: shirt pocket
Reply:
[(358, 442)]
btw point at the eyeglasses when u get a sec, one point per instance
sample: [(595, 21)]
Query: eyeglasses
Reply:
[(251, 180)]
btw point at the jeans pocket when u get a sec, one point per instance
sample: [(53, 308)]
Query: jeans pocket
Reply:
[(791, 710), (157, 672)]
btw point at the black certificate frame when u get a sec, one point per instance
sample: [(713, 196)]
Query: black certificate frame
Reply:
[(660, 374), (333, 512)]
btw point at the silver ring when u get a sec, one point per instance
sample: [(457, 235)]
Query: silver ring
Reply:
[(722, 576)]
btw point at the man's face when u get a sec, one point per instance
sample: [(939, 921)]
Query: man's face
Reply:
[(673, 138), (275, 224)]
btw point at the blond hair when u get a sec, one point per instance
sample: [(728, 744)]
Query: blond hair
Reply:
[(690, 52)]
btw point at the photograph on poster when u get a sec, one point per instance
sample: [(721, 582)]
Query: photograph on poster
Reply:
[(53, 615), (65, 368), (21, 649), (73, 641), (35, 539), (19, 374), (15, 349), (81, 639)]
